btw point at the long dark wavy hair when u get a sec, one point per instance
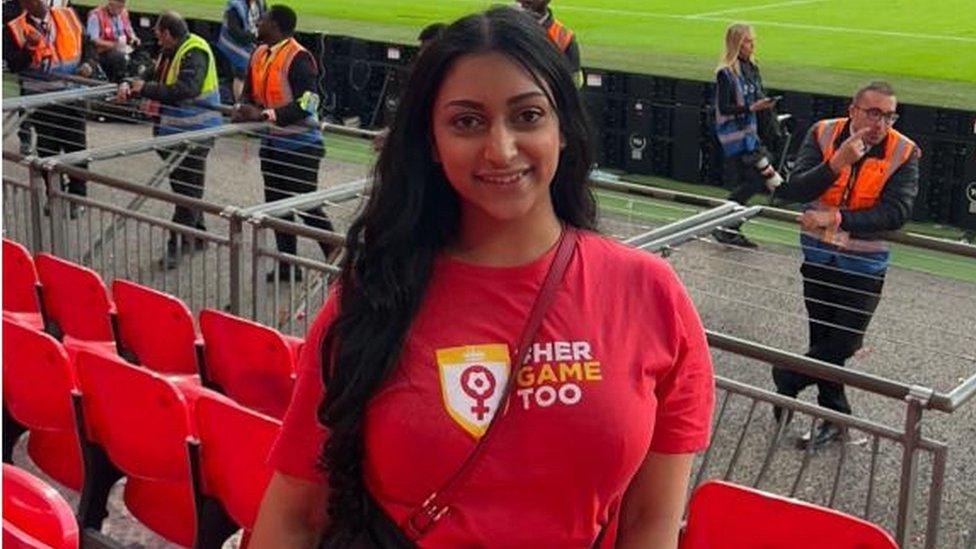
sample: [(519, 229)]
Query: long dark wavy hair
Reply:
[(412, 214)]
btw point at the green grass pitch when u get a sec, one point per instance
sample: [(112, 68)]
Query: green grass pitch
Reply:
[(927, 48)]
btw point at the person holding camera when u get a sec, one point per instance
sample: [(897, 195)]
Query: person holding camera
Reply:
[(859, 178), (110, 31), (739, 98)]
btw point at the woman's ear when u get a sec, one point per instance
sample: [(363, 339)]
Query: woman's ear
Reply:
[(562, 141)]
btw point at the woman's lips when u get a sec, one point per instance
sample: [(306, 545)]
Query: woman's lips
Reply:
[(503, 178)]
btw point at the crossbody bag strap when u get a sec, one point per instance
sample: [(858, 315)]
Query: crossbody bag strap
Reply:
[(439, 501)]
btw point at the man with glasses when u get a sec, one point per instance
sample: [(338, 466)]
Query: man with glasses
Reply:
[(859, 178)]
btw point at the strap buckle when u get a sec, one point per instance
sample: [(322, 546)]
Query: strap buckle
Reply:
[(424, 517)]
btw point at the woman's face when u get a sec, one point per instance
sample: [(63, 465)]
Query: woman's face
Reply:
[(497, 137), (748, 47)]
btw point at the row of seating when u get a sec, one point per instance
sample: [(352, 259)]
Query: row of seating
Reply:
[(132, 390), (251, 363), (194, 460)]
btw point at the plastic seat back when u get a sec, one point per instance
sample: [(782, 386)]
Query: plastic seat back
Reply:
[(251, 363), (142, 421), (19, 279), (155, 327), (35, 512), (75, 298), (234, 447), (38, 380), (726, 515)]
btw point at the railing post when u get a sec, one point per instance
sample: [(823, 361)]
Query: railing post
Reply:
[(54, 210), (257, 291), (37, 232), (917, 399), (236, 235)]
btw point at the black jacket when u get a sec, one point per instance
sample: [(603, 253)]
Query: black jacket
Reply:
[(189, 81)]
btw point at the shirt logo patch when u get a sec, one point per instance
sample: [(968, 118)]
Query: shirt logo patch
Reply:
[(473, 379)]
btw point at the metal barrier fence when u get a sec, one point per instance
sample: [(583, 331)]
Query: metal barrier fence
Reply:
[(234, 255)]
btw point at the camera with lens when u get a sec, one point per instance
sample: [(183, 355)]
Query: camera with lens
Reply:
[(760, 161)]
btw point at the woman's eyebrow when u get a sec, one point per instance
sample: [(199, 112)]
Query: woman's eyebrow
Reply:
[(472, 104)]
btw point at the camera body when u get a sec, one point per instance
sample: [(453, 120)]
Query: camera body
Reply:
[(760, 161)]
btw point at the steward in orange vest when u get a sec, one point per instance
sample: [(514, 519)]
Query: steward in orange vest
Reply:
[(560, 35), (281, 88), (42, 41), (859, 178), (38, 45)]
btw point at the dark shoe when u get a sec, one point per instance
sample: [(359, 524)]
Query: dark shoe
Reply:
[(75, 210), (284, 274), (778, 415), (826, 433), (732, 237)]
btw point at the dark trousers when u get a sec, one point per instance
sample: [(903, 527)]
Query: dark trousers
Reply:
[(113, 62), (290, 172), (188, 179), (840, 305), (61, 128), (740, 173)]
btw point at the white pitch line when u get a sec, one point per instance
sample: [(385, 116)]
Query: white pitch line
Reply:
[(847, 30), (752, 8), (823, 28)]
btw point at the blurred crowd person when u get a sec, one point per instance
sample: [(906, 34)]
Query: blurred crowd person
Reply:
[(238, 38), (182, 96), (562, 36), (110, 32), (280, 88), (41, 44)]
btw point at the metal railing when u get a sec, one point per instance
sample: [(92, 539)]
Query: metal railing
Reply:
[(229, 272)]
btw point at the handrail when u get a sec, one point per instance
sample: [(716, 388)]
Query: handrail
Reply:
[(824, 370)]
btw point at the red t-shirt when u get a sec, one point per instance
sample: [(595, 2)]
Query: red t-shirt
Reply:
[(620, 367)]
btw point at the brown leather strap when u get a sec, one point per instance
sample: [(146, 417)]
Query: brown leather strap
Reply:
[(439, 502)]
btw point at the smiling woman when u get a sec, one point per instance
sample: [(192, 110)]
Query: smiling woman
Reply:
[(477, 379)]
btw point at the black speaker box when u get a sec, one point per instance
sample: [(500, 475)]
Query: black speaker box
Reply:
[(964, 193), (689, 92), (686, 144)]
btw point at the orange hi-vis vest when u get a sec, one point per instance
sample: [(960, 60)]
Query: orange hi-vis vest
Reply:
[(105, 23), (560, 34), (270, 89), (862, 191), (64, 54)]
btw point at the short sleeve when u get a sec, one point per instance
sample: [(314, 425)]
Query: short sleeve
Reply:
[(685, 393), (93, 28), (296, 452)]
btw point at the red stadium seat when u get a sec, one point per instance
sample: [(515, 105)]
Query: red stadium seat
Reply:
[(250, 363), (34, 514), (295, 345), (37, 382), (155, 327), (20, 286), (230, 463), (141, 420), (76, 301), (729, 516)]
